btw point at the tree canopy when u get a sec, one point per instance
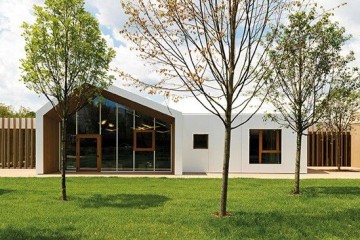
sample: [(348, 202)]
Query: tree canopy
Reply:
[(8, 111), (304, 62), (65, 53), (67, 60), (208, 49)]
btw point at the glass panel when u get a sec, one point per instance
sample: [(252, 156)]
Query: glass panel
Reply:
[(163, 146), (88, 153), (254, 146), (71, 143), (144, 139), (269, 139), (200, 141), (125, 138), (271, 158), (108, 132), (144, 161), (88, 118), (143, 122)]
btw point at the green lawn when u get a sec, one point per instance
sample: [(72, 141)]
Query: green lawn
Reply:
[(149, 208)]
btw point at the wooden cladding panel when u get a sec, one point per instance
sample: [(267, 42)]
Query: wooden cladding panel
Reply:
[(32, 139), (14, 145), (322, 150), (51, 151)]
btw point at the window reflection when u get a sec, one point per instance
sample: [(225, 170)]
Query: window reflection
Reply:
[(71, 143), (125, 138), (121, 129), (108, 134), (163, 146), (265, 146), (88, 118)]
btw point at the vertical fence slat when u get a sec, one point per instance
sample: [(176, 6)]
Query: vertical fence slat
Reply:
[(17, 145), (20, 145), (349, 149), (323, 150), (313, 147), (345, 149), (327, 149), (26, 145), (32, 143), (14, 143), (8, 144), (308, 147), (342, 149), (2, 143), (333, 150)]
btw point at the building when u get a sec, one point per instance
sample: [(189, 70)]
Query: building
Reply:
[(123, 132)]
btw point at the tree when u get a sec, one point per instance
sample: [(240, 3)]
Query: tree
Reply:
[(209, 50), (342, 109), (66, 60), (25, 112), (9, 112), (303, 62), (6, 110)]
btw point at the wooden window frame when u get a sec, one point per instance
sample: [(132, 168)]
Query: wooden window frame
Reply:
[(138, 149), (98, 149), (277, 139), (207, 140)]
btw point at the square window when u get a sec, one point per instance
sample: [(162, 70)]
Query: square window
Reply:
[(144, 140), (265, 146), (200, 141)]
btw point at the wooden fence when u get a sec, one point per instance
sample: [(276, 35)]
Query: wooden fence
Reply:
[(322, 150), (17, 142)]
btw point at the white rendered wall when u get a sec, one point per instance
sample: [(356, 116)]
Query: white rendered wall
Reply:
[(211, 159), (178, 156), (288, 148)]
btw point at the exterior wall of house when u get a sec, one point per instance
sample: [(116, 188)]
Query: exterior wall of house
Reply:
[(185, 157), (210, 160), (47, 147), (355, 145)]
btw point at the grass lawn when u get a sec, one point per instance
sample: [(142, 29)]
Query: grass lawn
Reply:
[(150, 208)]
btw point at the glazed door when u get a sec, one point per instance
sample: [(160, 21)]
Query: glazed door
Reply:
[(88, 152)]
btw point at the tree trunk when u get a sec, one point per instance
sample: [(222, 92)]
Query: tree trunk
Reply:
[(63, 157), (296, 189), (225, 174)]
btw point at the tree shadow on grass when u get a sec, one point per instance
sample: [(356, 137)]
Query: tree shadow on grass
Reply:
[(279, 224), (5, 191), (12, 233), (139, 201), (318, 191)]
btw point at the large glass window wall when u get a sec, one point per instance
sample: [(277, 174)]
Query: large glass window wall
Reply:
[(131, 141)]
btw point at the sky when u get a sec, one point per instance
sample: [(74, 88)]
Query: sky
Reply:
[(111, 17)]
